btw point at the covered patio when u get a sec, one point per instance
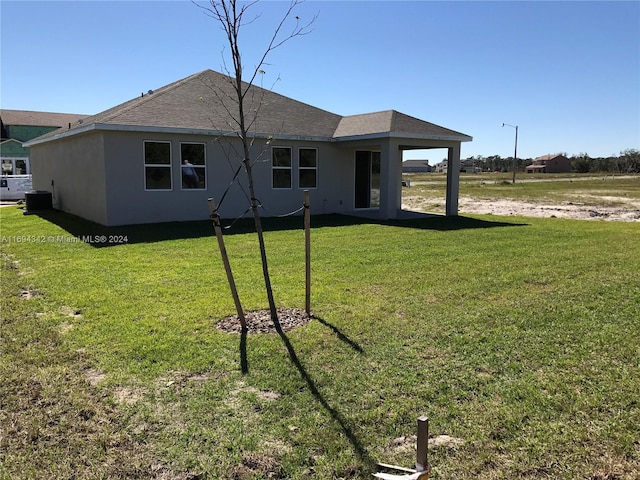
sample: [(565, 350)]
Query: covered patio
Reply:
[(391, 133)]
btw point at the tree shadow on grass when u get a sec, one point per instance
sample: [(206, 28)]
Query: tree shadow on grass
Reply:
[(357, 446), (340, 335), (100, 236), (244, 363)]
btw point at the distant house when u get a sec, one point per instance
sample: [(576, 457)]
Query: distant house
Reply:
[(125, 165), (416, 166), (467, 165), (440, 167), (549, 164), (17, 127)]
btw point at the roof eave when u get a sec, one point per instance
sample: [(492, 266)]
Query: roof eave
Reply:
[(8, 140), (67, 133), (416, 136), (222, 133), (170, 130)]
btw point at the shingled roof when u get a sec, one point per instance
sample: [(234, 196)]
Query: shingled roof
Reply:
[(38, 119), (201, 103), (391, 121), (549, 156)]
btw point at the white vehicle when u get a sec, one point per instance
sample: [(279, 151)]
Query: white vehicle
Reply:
[(15, 178)]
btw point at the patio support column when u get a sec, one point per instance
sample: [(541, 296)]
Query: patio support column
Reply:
[(453, 180), (390, 179)]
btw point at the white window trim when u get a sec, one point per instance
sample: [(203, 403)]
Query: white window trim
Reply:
[(204, 167), (13, 161), (163, 165), (301, 168), (274, 167)]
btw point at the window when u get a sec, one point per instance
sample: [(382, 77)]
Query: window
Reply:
[(7, 166), (308, 168), (157, 165), (281, 167), (21, 166), (194, 173)]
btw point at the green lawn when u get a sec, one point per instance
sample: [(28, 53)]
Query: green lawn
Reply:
[(518, 337)]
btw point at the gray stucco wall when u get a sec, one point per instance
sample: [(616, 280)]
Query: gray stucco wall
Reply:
[(73, 170), (129, 203), (100, 175)]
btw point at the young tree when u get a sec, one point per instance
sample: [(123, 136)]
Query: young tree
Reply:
[(232, 16), (581, 163), (629, 160)]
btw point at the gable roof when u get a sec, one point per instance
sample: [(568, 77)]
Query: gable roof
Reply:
[(38, 119), (416, 163), (7, 141), (551, 156), (201, 103)]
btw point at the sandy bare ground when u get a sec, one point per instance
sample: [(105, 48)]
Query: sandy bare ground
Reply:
[(583, 205), (575, 210), (583, 208)]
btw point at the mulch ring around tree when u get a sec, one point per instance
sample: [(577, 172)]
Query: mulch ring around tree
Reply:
[(259, 321)]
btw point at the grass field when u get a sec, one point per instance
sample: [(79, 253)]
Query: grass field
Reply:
[(518, 337)]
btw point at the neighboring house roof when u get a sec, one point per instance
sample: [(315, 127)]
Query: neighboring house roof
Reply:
[(415, 163), (201, 103), (38, 119), (10, 140), (550, 156)]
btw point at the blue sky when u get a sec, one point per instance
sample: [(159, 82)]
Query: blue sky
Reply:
[(567, 73)]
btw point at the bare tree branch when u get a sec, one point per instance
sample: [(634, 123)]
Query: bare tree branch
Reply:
[(248, 100)]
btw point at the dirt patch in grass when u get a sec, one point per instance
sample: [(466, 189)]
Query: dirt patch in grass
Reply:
[(70, 312), (127, 395), (258, 466), (259, 321), (27, 294), (408, 443), (94, 377)]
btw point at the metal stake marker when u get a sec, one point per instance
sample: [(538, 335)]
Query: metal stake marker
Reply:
[(422, 442), (423, 468)]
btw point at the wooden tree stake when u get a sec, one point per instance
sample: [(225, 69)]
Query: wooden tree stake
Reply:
[(307, 245), (215, 218)]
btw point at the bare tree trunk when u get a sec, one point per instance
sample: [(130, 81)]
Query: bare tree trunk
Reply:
[(237, 62), (231, 18), (263, 251)]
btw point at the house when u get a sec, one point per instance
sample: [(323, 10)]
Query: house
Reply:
[(441, 167), (16, 127), (549, 164), (125, 165), (416, 166), (468, 165)]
